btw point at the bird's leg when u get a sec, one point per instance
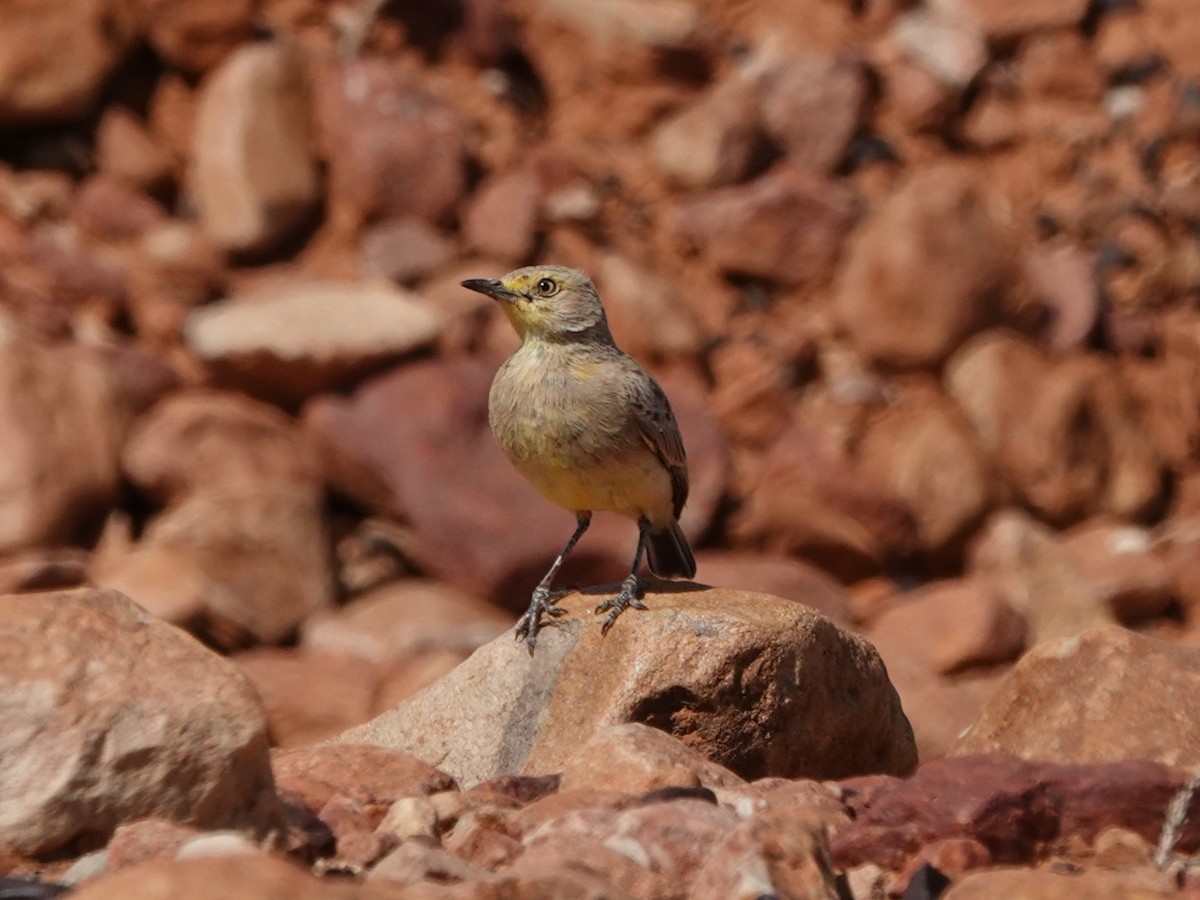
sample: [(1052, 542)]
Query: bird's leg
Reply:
[(543, 598), (629, 587)]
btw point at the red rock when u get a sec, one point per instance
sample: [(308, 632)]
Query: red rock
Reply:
[(912, 99), (1106, 694), (114, 210), (1122, 568), (922, 450), (501, 218), (772, 854), (464, 721), (1183, 562), (1013, 18), (414, 673), (241, 548), (1063, 280), (308, 695), (811, 108), (1059, 64), (919, 647), (788, 226), (125, 149), (792, 579), (253, 176), (146, 839), (42, 569), (1165, 389), (403, 618), (655, 850), (807, 499), (1037, 420), (1041, 884), (646, 309), (952, 625), (1038, 575), (714, 141), (404, 250), (415, 862), (393, 148), (927, 268), (88, 668), (943, 45), (299, 337), (201, 440), (1173, 31), (637, 759), (365, 780), (35, 87), (58, 472), (196, 37), (1019, 811), (255, 877), (750, 397)]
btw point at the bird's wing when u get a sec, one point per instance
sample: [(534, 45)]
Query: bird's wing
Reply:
[(661, 434)]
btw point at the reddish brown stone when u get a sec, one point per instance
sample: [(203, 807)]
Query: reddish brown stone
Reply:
[(808, 499), (1106, 694), (928, 268), (1019, 811), (393, 147), (786, 226)]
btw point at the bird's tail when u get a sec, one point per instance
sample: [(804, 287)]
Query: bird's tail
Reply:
[(669, 553)]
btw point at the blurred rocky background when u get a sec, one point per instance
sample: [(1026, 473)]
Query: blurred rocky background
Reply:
[(920, 279)]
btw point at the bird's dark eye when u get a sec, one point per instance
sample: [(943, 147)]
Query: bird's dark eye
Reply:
[(547, 287)]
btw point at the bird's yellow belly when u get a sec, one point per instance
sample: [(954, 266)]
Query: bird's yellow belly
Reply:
[(633, 484)]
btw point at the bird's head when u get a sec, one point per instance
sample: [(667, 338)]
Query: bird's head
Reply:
[(546, 302)]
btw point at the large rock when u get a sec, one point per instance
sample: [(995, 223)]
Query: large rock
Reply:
[(241, 548), (714, 141), (1062, 433), (415, 443), (923, 450), (786, 226), (1107, 694), (1046, 884), (253, 175), (196, 36), (941, 644), (1013, 18), (1018, 810), (393, 147), (299, 336), (811, 107), (928, 267), (739, 677), (1039, 576), (249, 877), (55, 58), (807, 498), (59, 472), (111, 716)]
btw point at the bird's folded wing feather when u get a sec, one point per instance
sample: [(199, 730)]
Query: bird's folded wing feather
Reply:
[(661, 434)]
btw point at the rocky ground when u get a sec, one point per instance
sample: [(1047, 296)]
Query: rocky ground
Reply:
[(921, 281)]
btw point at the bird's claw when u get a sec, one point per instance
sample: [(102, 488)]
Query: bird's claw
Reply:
[(626, 599), (530, 624)]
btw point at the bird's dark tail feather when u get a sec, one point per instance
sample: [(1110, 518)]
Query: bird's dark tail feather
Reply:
[(669, 553)]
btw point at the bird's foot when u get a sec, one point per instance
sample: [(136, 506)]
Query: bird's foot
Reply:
[(531, 623), (628, 597)]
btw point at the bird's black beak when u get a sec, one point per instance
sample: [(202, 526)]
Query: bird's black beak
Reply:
[(491, 287)]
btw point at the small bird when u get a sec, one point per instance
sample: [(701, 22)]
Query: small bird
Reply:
[(588, 427)]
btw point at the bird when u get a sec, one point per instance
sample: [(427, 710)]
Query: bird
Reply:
[(588, 427)]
